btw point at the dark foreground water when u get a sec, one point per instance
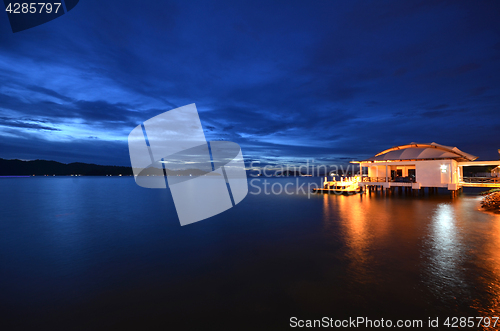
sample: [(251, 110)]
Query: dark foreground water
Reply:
[(102, 253)]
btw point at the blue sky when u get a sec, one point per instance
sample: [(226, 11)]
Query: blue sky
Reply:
[(289, 81)]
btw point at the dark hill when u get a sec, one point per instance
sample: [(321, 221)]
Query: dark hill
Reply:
[(43, 167), (50, 168)]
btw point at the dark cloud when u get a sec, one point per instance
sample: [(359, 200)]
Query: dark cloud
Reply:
[(48, 92), (26, 124), (89, 150), (286, 80), (438, 107), (478, 91)]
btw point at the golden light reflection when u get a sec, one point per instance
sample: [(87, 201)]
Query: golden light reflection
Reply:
[(449, 249), (359, 226)]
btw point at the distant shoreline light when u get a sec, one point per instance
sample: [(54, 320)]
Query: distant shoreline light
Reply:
[(13, 176)]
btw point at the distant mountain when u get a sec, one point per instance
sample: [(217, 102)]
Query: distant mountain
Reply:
[(50, 168), (43, 167)]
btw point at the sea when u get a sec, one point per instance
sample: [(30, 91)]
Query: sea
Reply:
[(102, 253)]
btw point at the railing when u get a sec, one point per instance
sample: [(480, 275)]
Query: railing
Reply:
[(389, 179), (481, 180), (404, 180), (375, 179)]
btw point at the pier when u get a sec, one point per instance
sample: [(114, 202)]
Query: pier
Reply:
[(414, 167), (347, 185)]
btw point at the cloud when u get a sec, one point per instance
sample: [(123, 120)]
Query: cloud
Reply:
[(27, 124), (31, 147), (330, 81)]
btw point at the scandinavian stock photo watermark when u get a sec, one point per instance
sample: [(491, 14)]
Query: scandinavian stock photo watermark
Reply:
[(171, 150), (452, 322), (305, 178), (205, 178)]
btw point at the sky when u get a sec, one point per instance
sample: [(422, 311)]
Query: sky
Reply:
[(289, 81)]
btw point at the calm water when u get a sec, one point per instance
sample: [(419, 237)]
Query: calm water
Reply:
[(93, 253)]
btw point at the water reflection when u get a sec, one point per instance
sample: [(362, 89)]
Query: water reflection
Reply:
[(355, 232), (488, 261), (385, 257), (446, 252), (439, 252), (362, 225)]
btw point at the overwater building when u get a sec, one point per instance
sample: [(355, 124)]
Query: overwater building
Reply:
[(418, 166)]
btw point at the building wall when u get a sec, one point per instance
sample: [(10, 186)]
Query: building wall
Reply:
[(378, 171), (456, 172), (429, 173)]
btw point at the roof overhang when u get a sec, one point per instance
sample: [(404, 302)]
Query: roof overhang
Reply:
[(479, 163)]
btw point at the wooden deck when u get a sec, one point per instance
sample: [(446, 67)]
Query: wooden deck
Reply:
[(480, 182), (492, 185), (336, 191)]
